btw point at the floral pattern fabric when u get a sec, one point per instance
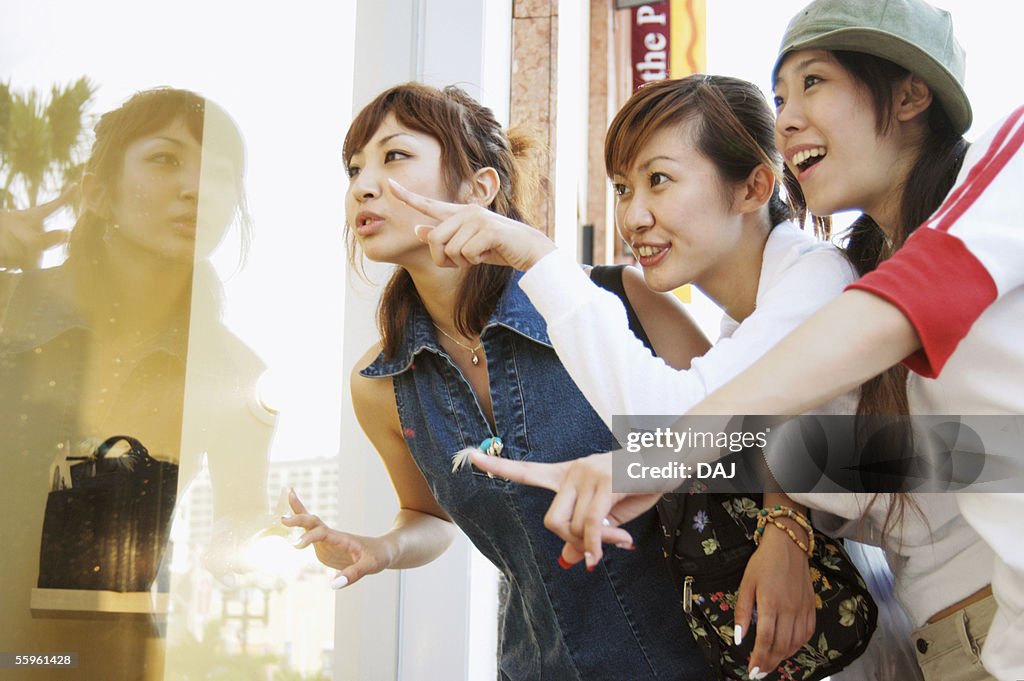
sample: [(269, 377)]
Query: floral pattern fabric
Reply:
[(708, 541)]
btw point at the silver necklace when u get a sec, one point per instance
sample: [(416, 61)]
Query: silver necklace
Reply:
[(476, 359)]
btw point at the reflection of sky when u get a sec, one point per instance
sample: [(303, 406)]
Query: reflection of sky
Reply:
[(283, 73)]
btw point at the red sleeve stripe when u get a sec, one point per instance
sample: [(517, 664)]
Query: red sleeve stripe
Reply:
[(941, 288), (981, 175), (993, 147)]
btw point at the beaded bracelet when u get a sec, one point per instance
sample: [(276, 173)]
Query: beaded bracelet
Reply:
[(770, 515)]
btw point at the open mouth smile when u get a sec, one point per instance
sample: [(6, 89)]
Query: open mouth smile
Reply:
[(805, 158), (648, 255)]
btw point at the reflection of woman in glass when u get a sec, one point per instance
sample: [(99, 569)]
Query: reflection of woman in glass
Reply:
[(463, 358), (97, 347)]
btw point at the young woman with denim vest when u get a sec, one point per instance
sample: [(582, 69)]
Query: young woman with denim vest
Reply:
[(465, 358), (871, 113)]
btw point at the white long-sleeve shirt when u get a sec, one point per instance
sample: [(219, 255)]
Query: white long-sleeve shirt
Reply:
[(619, 376), (938, 563)]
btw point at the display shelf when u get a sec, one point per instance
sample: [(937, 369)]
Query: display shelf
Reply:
[(80, 602)]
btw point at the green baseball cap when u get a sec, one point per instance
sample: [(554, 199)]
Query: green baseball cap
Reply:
[(910, 33)]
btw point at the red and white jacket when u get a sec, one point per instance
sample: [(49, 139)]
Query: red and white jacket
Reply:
[(959, 279)]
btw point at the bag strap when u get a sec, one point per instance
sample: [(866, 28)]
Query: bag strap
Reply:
[(609, 277), (137, 448)]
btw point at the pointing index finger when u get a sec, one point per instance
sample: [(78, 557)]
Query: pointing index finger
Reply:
[(432, 208), (547, 475)]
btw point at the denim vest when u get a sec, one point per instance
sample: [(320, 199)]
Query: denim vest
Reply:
[(618, 623)]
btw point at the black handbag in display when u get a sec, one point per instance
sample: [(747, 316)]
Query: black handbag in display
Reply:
[(109, 529)]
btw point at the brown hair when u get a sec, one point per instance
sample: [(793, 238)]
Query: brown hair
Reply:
[(939, 158), (733, 127), (470, 139), (933, 174), (934, 171), (144, 113), (931, 177)]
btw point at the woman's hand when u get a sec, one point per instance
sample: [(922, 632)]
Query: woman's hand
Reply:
[(777, 579), (353, 556), (469, 234), (585, 512), (23, 237)]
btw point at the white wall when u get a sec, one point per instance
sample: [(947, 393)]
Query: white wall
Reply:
[(417, 625)]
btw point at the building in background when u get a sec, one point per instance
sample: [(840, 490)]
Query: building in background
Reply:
[(274, 610)]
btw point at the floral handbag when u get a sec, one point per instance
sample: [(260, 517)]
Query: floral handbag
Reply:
[(708, 541)]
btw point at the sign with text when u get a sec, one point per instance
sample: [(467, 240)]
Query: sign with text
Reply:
[(667, 40)]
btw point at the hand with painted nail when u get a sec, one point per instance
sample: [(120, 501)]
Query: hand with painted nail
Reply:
[(462, 235), (777, 582), (23, 237), (585, 512), (352, 555)]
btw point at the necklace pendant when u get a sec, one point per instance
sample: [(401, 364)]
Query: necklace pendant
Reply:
[(476, 360)]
